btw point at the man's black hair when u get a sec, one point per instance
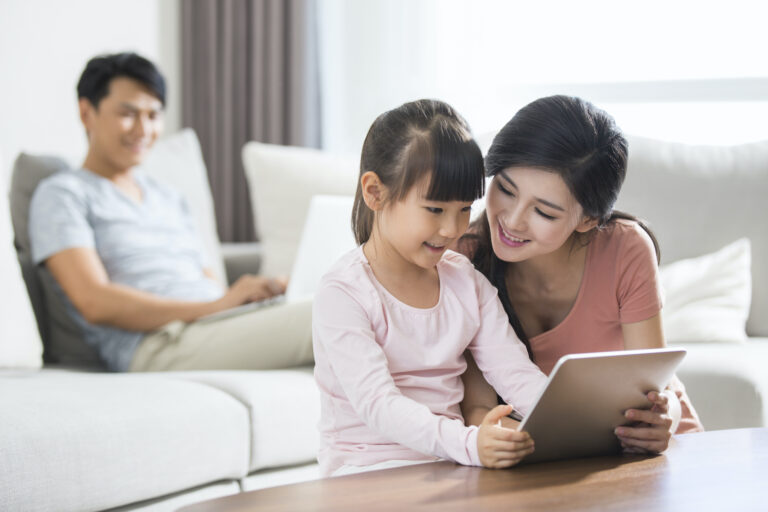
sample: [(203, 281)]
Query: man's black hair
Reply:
[(101, 70)]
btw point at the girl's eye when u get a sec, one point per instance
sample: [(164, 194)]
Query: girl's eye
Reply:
[(431, 209), (466, 209), (548, 217), (504, 190)]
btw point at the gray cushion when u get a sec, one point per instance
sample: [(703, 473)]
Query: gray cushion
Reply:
[(62, 339), (92, 441), (700, 198)]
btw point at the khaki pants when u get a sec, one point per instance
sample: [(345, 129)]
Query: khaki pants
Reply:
[(278, 336)]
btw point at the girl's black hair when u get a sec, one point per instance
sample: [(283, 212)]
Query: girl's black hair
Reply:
[(576, 140), (418, 139)]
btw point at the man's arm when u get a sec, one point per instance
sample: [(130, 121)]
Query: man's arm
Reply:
[(81, 274)]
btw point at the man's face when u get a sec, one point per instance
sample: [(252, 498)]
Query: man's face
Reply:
[(125, 125)]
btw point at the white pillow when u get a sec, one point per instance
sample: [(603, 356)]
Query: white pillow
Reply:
[(707, 298), (282, 181), (177, 161), (20, 345)]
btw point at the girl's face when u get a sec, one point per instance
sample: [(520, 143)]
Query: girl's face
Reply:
[(531, 213), (419, 230)]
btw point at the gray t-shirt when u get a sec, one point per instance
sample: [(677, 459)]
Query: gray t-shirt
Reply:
[(151, 246)]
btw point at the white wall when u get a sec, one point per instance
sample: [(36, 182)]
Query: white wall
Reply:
[(44, 45), (689, 70)]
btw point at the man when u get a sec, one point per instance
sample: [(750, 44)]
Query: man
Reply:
[(124, 252)]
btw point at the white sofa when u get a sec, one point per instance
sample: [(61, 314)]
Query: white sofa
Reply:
[(88, 440), (85, 439)]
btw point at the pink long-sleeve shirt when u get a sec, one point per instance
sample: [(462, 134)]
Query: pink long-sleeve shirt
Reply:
[(390, 374)]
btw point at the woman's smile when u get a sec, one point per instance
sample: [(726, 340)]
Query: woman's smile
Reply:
[(509, 239)]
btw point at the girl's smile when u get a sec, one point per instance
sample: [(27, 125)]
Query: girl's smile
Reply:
[(437, 249)]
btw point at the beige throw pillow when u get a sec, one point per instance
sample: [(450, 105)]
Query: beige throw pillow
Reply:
[(282, 181), (707, 298)]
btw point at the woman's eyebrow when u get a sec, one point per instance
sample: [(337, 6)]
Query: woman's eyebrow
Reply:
[(551, 205), (540, 200)]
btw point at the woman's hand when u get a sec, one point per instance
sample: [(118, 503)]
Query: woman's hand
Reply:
[(500, 447), (650, 431)]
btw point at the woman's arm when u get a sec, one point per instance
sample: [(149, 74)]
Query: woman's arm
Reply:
[(479, 396), (652, 427)]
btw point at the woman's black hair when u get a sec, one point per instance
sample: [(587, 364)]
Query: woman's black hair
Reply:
[(418, 139), (576, 140), (100, 71)]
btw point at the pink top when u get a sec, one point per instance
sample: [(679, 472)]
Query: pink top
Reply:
[(620, 285), (390, 374)]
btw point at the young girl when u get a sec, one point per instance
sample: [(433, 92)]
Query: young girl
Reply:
[(392, 318), (573, 274)]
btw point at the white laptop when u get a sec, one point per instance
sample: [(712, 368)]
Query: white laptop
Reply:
[(586, 396), (326, 236)]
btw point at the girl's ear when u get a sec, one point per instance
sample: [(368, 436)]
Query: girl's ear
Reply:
[(586, 224), (374, 191)]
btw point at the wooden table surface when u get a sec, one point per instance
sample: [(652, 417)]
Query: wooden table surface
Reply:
[(720, 470)]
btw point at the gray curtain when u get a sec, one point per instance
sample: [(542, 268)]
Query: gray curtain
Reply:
[(249, 72)]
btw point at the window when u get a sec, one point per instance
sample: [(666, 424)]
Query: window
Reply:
[(691, 71)]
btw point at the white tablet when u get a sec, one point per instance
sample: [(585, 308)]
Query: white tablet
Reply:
[(586, 396)]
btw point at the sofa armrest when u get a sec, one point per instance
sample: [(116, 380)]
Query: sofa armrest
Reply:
[(727, 383), (241, 258)]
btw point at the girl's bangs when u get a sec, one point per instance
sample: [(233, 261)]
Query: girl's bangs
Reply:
[(458, 170)]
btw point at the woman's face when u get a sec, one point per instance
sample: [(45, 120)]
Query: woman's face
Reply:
[(531, 213)]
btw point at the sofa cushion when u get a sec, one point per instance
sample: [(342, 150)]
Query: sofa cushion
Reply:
[(284, 406), (282, 180), (699, 198), (20, 345), (91, 441)]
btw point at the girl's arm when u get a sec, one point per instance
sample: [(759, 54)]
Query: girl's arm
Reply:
[(501, 357), (346, 346)]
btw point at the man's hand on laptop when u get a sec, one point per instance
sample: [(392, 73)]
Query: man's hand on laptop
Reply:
[(251, 288)]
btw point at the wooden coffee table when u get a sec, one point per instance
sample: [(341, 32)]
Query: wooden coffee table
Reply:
[(719, 470)]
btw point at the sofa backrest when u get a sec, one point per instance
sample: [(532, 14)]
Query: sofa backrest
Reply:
[(176, 161), (697, 199)]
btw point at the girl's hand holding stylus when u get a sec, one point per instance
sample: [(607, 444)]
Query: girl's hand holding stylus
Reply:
[(500, 447), (650, 431)]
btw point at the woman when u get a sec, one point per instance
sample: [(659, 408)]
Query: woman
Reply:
[(573, 274)]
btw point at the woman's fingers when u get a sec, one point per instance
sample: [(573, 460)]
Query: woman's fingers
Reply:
[(652, 418), (653, 438)]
